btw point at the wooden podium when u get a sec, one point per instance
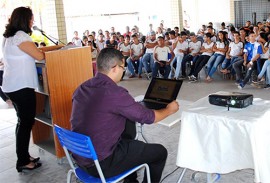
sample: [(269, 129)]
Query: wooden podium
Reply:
[(62, 72)]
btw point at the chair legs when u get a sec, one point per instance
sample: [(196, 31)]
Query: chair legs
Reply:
[(182, 175), (69, 175)]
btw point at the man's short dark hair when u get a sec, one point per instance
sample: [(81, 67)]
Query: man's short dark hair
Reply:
[(176, 27), (134, 35), (209, 27), (236, 32), (192, 34), (208, 35), (183, 33), (108, 58), (172, 32)]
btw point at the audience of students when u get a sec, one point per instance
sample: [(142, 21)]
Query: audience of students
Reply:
[(213, 51)]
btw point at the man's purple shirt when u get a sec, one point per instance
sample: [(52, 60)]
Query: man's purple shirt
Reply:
[(99, 109)]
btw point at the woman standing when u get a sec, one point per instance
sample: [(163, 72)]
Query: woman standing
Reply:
[(20, 80)]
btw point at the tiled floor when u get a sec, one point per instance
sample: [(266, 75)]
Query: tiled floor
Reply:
[(51, 171)]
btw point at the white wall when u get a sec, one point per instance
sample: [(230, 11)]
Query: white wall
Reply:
[(204, 11)]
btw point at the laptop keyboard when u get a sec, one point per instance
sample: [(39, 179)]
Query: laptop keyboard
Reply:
[(154, 105)]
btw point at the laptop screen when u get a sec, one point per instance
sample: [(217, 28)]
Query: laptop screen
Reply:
[(163, 90)]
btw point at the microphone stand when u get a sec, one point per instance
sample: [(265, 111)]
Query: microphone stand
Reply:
[(58, 40), (56, 43)]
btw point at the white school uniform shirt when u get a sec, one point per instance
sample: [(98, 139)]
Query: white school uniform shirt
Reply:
[(100, 45), (19, 67), (182, 46), (207, 46), (162, 53), (150, 50), (196, 47), (220, 45), (235, 48), (124, 48), (136, 48)]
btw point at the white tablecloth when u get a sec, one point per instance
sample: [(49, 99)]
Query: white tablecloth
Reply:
[(215, 140)]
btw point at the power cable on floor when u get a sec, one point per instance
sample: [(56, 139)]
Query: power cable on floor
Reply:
[(169, 174)]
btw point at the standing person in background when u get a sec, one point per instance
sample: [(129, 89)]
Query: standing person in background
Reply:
[(20, 80)]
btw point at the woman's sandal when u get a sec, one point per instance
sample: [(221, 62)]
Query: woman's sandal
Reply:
[(34, 160), (25, 167)]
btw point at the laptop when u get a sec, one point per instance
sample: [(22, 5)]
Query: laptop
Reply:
[(161, 92)]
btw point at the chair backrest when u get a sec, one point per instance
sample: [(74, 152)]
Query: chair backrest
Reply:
[(76, 143)]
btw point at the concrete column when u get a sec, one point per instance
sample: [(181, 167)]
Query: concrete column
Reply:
[(60, 18), (177, 14), (232, 15)]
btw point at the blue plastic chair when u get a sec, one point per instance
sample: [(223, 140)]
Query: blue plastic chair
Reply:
[(81, 145)]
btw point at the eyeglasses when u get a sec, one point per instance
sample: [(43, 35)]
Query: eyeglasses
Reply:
[(124, 69)]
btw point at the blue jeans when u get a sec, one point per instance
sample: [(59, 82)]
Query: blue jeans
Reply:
[(148, 61), (178, 59), (213, 63), (167, 70), (227, 63), (131, 66), (265, 68)]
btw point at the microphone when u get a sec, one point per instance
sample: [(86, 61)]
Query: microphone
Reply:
[(38, 29), (43, 33)]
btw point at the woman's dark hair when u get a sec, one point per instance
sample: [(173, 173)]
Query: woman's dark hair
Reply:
[(19, 21), (226, 42)]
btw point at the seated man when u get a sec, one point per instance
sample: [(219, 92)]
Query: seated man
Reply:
[(148, 59), (194, 47), (100, 110), (180, 49), (252, 51), (161, 57), (134, 61)]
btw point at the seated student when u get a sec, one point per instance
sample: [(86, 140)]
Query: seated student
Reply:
[(100, 42), (111, 43), (194, 47), (148, 59), (134, 61), (234, 53), (125, 50), (265, 44), (180, 49), (207, 52), (173, 38), (105, 112), (220, 48), (210, 30), (161, 60), (265, 69), (252, 52), (76, 40)]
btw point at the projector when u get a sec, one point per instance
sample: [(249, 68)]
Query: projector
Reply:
[(231, 99)]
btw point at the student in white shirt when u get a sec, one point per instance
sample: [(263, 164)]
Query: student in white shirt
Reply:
[(234, 54), (180, 49), (194, 47), (220, 48), (161, 57), (148, 59), (207, 52), (134, 61)]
